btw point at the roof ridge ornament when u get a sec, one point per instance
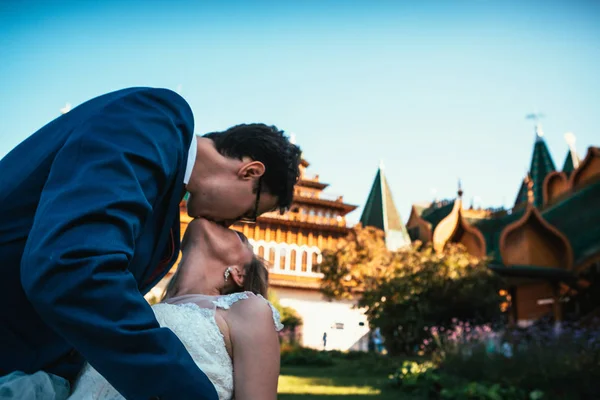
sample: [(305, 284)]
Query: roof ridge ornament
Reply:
[(571, 139), (536, 116)]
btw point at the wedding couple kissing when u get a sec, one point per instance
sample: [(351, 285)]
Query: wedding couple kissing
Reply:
[(89, 223)]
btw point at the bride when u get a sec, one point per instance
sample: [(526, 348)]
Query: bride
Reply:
[(214, 303)]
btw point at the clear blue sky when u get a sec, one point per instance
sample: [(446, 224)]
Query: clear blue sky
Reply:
[(437, 90)]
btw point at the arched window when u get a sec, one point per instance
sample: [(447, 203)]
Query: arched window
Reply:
[(315, 263), (272, 257), (282, 254), (293, 260), (261, 251), (304, 260)]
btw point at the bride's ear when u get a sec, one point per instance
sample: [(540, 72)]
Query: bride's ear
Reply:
[(237, 274)]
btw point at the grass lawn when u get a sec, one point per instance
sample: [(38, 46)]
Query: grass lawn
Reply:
[(320, 383)]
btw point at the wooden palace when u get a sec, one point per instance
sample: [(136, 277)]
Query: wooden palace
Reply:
[(547, 245)]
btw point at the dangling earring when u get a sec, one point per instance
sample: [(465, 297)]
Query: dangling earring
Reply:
[(227, 272)]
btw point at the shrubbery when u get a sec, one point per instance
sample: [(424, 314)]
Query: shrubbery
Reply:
[(406, 291), (478, 363), (358, 363), (302, 356)]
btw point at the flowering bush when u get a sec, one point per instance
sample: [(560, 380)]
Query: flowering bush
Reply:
[(478, 362)]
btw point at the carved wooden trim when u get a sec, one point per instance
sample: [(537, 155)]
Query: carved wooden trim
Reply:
[(555, 185), (416, 220), (470, 229), (533, 213), (590, 161), (447, 229)]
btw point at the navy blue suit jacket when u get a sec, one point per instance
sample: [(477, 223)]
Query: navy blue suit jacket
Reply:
[(88, 211)]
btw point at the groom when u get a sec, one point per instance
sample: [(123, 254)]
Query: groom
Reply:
[(89, 222)]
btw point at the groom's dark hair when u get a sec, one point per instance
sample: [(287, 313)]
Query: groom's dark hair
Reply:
[(268, 145)]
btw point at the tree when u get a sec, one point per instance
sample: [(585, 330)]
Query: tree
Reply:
[(290, 318), (407, 291)]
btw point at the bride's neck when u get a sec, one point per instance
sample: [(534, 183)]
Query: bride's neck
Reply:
[(191, 278)]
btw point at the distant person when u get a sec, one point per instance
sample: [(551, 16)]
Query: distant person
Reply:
[(324, 340), (378, 340)]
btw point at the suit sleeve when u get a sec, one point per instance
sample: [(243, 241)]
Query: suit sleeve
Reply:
[(101, 189)]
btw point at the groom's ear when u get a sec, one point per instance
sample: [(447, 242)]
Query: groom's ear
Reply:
[(237, 274), (251, 170)]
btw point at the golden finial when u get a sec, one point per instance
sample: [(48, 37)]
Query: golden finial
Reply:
[(529, 184)]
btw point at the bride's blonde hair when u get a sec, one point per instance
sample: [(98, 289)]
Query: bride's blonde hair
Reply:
[(256, 276)]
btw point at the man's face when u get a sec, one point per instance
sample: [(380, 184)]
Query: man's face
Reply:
[(229, 199)]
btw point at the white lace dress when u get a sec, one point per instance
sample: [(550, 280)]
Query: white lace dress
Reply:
[(186, 316)]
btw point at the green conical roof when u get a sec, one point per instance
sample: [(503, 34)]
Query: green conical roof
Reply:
[(380, 212), (541, 165), (570, 163), (521, 195)]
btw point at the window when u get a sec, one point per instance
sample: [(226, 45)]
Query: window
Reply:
[(282, 254), (315, 263), (272, 257), (293, 260)]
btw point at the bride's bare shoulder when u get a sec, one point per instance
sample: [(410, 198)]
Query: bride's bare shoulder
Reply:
[(254, 310), (251, 306)]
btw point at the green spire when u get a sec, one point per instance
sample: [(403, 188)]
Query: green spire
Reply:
[(381, 212), (541, 165), (569, 165), (572, 159)]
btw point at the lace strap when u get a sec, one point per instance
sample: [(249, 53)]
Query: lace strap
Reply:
[(225, 302)]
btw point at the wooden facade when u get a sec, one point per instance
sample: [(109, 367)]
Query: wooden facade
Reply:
[(545, 246), (292, 243)]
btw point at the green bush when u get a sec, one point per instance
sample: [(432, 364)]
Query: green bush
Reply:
[(429, 382), (302, 356), (533, 364), (351, 363), (355, 363)]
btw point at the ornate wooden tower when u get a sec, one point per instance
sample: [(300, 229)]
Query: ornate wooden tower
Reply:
[(293, 242)]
